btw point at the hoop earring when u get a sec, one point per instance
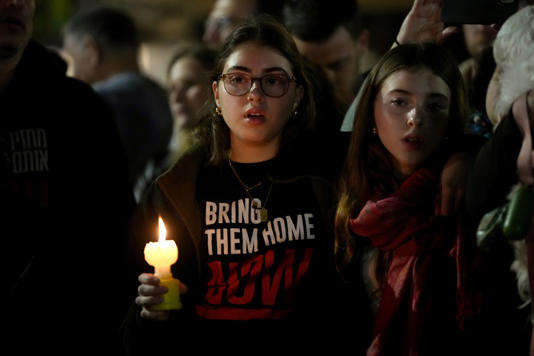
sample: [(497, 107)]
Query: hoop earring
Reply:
[(218, 111)]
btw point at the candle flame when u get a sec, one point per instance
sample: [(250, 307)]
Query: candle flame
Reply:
[(162, 231)]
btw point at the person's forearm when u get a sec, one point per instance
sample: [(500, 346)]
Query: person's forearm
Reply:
[(495, 170)]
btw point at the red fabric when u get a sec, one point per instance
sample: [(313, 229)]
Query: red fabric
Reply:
[(404, 224)]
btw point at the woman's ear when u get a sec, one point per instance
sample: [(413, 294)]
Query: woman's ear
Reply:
[(215, 89)]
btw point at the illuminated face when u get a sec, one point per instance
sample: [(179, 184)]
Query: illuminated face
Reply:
[(16, 26), (254, 118), (83, 60), (411, 116), (339, 57), (189, 82), (478, 38)]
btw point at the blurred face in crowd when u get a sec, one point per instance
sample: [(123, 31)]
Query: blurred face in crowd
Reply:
[(339, 57), (492, 94), (188, 81), (256, 110), (224, 17), (411, 113), (83, 60), (478, 38), (16, 26)]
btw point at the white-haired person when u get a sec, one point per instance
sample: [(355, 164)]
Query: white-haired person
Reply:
[(503, 164)]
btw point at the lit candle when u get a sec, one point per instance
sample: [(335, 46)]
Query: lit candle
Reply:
[(161, 255)]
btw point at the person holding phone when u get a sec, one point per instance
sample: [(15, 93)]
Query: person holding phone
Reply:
[(483, 12)]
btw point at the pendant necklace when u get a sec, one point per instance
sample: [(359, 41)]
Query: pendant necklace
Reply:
[(256, 202)]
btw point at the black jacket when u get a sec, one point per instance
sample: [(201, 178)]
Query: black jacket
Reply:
[(65, 204)]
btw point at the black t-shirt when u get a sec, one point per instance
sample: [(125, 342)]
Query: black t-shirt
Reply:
[(254, 269)]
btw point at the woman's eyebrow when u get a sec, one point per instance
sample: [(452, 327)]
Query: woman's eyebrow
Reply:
[(435, 95), (240, 68), (399, 91), (274, 69), (439, 96), (266, 70)]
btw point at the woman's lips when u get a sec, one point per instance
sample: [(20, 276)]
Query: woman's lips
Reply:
[(254, 116), (413, 142)]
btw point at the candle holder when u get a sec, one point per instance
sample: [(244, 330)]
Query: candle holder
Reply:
[(171, 299)]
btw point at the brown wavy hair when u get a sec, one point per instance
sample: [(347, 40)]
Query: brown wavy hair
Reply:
[(368, 169), (212, 132)]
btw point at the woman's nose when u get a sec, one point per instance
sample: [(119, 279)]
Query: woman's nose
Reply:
[(255, 92), (178, 93), (415, 117)]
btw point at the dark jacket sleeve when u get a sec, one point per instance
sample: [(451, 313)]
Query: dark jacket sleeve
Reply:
[(139, 335), (495, 170)]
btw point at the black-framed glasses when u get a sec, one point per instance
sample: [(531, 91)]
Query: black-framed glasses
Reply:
[(272, 84)]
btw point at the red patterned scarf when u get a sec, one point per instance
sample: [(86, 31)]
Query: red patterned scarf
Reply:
[(404, 225)]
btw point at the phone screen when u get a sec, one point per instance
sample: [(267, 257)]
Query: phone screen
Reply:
[(456, 12)]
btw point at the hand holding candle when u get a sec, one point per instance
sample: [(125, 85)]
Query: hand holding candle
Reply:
[(161, 255)]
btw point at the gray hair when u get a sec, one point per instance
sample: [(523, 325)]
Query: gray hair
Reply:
[(513, 50), (519, 267)]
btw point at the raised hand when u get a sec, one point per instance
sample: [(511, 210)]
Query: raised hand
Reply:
[(423, 24)]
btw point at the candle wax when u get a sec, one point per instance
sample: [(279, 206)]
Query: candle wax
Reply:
[(161, 255)]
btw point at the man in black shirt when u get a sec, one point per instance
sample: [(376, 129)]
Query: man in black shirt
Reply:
[(64, 200)]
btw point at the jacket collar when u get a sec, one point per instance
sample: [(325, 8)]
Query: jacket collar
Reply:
[(178, 185)]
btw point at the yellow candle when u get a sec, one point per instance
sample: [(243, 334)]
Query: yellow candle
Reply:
[(161, 255)]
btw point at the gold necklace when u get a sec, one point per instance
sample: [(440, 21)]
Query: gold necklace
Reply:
[(246, 187), (256, 202)]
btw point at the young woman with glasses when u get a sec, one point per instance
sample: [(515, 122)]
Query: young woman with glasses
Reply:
[(249, 218)]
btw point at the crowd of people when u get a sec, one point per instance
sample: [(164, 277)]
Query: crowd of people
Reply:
[(315, 202)]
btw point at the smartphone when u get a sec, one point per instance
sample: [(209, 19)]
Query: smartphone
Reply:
[(457, 12)]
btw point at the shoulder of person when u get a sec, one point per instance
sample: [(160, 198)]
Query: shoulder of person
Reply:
[(48, 71), (468, 67), (189, 160), (180, 179), (129, 81)]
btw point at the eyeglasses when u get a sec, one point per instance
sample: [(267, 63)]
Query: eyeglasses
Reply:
[(273, 84)]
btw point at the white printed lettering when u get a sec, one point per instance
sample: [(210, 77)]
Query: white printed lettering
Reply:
[(295, 232), (309, 226), (211, 213)]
